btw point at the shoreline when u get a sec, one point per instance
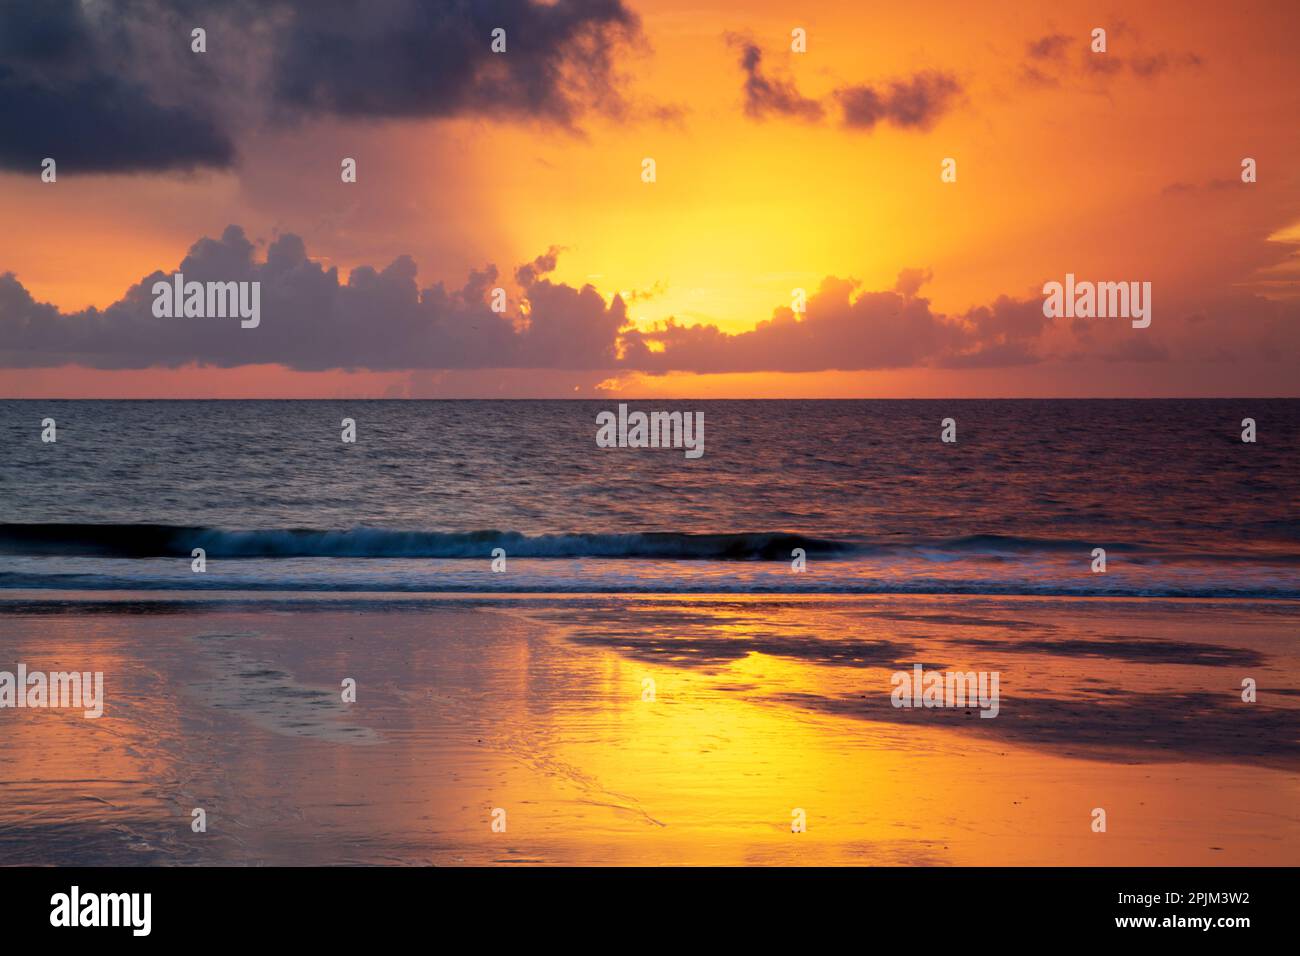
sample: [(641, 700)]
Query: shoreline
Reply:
[(224, 596), (761, 705)]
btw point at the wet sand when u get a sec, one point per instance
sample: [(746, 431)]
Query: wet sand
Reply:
[(537, 706)]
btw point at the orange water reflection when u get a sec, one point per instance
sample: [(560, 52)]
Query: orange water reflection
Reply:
[(760, 707)]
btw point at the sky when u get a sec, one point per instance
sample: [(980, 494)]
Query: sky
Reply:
[(775, 170)]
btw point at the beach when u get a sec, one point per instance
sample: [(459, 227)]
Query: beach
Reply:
[(650, 730), (476, 638)]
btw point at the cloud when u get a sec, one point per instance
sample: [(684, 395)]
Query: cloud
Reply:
[(102, 125), (72, 88), (914, 102), (765, 95), (379, 319), (1048, 60), (849, 329), (1150, 66), (526, 274), (1042, 58), (1047, 47), (383, 319), (874, 330), (910, 281), (113, 86), (347, 58)]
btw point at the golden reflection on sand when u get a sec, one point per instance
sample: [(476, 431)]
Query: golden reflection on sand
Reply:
[(654, 731)]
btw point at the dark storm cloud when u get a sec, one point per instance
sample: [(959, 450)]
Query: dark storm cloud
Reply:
[(67, 91), (113, 86), (405, 59), (41, 31), (102, 125)]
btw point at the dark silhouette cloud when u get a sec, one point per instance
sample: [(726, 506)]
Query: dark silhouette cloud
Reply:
[(102, 125), (845, 328), (875, 330), (114, 86), (71, 88), (1047, 47), (1149, 66), (1043, 57), (378, 319), (914, 103), (526, 274), (383, 319), (348, 58), (1054, 58), (766, 95), (1003, 334)]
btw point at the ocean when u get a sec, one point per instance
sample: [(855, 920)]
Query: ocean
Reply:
[(648, 679), (876, 501)]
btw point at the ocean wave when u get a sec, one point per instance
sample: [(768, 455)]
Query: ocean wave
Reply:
[(614, 583), (157, 540), (169, 541)]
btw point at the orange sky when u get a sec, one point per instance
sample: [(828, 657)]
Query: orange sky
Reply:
[(1130, 174)]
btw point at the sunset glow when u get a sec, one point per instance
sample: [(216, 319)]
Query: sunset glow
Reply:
[(1118, 165)]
